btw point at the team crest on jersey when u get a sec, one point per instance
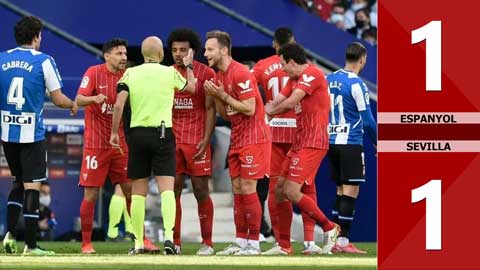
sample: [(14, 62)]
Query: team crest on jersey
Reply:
[(85, 81), (85, 176), (245, 87), (249, 159), (306, 80), (295, 161)]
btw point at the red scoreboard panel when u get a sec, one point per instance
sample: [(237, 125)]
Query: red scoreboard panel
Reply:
[(429, 134)]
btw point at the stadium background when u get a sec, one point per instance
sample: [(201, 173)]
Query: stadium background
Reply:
[(250, 24)]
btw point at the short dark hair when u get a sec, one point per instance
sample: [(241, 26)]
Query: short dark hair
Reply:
[(283, 35), (26, 29), (293, 51), (114, 42), (185, 35), (223, 39), (355, 51)]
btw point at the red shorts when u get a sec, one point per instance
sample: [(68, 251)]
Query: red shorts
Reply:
[(279, 154), (97, 164), (301, 166), (250, 161), (202, 166)]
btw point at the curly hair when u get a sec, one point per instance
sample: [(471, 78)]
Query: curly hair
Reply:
[(185, 35)]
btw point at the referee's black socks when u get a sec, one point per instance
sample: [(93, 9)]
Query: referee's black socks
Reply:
[(14, 207), (30, 214)]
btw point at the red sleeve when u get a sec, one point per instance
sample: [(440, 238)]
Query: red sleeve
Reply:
[(287, 90), (87, 86), (209, 74), (244, 85), (310, 80), (257, 71)]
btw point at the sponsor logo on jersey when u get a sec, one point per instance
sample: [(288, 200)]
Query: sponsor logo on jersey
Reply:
[(338, 129), (183, 103), (306, 80), (12, 119), (108, 108), (245, 87)]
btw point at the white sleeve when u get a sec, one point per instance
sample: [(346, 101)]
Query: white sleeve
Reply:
[(51, 76), (358, 96)]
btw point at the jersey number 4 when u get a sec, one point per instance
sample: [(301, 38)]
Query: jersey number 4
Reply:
[(15, 93)]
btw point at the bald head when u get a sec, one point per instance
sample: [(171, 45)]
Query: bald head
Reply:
[(152, 49)]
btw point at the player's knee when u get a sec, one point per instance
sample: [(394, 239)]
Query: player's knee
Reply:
[(90, 194), (200, 193)]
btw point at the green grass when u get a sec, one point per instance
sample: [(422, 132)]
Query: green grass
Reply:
[(113, 256)]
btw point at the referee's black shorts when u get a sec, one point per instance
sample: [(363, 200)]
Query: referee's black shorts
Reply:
[(150, 152)]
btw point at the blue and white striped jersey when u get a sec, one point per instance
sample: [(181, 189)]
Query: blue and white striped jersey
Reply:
[(25, 75), (348, 97)]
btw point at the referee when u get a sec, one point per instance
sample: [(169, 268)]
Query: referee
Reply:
[(151, 88)]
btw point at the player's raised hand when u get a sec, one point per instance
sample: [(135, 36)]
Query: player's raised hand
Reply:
[(188, 59), (99, 99)]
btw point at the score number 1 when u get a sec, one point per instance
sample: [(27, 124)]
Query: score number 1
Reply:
[(431, 191)]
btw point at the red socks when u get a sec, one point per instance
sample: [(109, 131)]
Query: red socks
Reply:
[(239, 217), (272, 207), (87, 209), (309, 222), (205, 215), (307, 205), (285, 214)]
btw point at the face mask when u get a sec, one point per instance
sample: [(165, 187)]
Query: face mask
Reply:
[(358, 6), (360, 24), (336, 18), (45, 200)]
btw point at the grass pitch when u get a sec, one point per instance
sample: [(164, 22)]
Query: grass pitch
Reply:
[(113, 256)]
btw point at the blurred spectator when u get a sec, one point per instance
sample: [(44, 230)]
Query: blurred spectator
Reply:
[(337, 16), (362, 23), (351, 12), (46, 221), (370, 36), (305, 4), (324, 8)]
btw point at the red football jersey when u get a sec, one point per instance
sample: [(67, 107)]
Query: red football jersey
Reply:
[(189, 111), (312, 111), (269, 74), (241, 85), (98, 117)]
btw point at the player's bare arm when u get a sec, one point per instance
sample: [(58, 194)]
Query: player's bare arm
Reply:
[(209, 126), (82, 100), (246, 107), (62, 101), (286, 104), (188, 61), (116, 117)]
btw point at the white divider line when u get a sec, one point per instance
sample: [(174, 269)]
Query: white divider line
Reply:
[(428, 118), (429, 146)]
